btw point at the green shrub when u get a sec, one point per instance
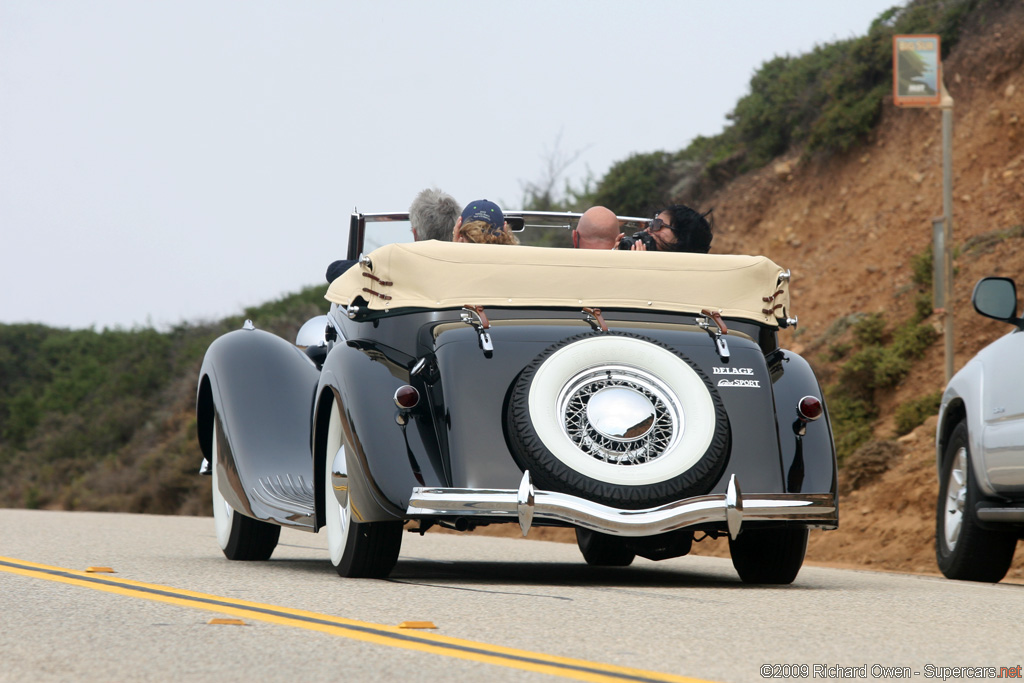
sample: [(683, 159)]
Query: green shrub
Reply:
[(890, 369), (869, 329), (24, 413), (874, 365), (851, 421), (921, 268), (859, 374), (878, 366), (912, 414), (32, 499), (638, 186), (923, 306), (911, 340), (837, 352)]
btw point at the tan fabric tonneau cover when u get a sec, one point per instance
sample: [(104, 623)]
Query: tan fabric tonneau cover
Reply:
[(435, 274)]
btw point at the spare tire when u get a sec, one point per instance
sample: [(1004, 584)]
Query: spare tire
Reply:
[(618, 419)]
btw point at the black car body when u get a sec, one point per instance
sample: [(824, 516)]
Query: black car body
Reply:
[(641, 398)]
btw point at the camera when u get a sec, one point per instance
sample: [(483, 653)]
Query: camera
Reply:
[(641, 236)]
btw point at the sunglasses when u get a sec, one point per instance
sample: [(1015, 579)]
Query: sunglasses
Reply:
[(657, 224)]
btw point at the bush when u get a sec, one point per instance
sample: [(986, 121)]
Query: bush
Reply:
[(869, 329), (859, 375), (923, 306), (851, 421), (638, 186), (876, 364), (921, 268), (912, 414)]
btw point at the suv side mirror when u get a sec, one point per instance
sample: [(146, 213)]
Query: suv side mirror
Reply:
[(996, 297)]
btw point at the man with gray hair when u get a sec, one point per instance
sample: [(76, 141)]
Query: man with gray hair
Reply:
[(432, 215)]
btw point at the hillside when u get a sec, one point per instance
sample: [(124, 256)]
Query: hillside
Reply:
[(105, 420), (854, 227)]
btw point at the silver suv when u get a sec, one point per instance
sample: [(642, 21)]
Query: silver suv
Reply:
[(980, 449)]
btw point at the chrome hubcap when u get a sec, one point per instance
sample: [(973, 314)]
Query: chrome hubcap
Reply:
[(619, 414), (956, 499)]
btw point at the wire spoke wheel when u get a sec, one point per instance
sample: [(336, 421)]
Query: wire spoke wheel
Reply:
[(595, 402)]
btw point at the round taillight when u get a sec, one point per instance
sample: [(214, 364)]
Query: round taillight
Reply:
[(407, 397), (809, 408)]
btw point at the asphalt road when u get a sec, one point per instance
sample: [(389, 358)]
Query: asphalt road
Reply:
[(504, 610)]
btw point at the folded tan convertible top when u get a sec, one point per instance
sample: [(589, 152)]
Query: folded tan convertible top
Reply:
[(435, 274)]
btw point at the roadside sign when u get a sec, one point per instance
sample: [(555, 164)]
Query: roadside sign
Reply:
[(917, 82), (916, 71)]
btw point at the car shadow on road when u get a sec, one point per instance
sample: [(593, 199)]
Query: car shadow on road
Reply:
[(472, 573)]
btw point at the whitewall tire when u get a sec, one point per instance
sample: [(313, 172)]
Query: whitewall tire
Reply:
[(357, 549), (620, 419), (239, 537)]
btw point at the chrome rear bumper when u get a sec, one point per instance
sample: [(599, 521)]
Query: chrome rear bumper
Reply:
[(527, 503)]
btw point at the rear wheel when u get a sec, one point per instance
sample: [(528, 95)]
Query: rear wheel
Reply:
[(964, 550), (240, 537), (769, 555), (358, 550), (602, 550)]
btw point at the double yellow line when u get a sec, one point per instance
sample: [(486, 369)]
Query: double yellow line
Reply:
[(380, 634)]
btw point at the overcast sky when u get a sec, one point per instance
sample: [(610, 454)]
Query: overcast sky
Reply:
[(163, 161)]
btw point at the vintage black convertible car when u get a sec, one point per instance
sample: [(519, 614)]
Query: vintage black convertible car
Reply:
[(639, 398)]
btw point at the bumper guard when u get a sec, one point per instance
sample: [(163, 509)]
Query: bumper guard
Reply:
[(527, 503)]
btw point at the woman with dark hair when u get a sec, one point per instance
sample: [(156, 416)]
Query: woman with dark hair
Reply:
[(679, 228)]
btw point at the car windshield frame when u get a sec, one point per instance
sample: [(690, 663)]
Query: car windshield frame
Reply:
[(539, 228)]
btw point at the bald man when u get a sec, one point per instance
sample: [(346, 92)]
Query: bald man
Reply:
[(598, 229)]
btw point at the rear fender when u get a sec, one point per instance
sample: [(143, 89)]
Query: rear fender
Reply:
[(792, 380), (385, 459), (261, 389)]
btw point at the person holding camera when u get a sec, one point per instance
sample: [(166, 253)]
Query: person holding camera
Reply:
[(675, 228)]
